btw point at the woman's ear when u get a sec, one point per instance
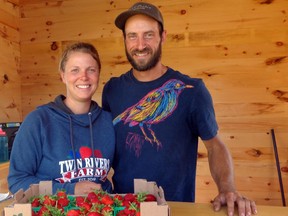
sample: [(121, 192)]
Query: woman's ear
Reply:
[(62, 76)]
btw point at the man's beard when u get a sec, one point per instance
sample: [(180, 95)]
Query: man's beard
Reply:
[(152, 62)]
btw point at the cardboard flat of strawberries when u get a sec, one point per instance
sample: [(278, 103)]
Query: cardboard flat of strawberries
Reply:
[(156, 206)]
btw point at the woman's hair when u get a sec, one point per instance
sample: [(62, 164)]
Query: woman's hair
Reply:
[(79, 47)]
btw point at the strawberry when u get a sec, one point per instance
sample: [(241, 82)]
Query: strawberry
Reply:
[(106, 200), (118, 197), (129, 197), (34, 213), (79, 200), (150, 198), (94, 213), (61, 193), (85, 207), (85, 152), (91, 196), (145, 197), (118, 200), (73, 212), (107, 210), (50, 201), (43, 211), (35, 202), (134, 206), (63, 201)]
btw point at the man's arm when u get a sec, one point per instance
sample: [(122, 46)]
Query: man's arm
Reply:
[(221, 168)]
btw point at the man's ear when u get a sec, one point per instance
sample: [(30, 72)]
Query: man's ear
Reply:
[(164, 35)]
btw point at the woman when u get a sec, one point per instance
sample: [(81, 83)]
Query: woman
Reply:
[(69, 141)]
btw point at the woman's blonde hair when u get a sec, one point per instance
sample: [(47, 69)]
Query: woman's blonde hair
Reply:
[(79, 47)]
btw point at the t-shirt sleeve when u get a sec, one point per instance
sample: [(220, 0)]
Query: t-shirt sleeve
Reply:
[(204, 114)]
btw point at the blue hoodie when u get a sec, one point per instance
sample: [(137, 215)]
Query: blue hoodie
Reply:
[(54, 144)]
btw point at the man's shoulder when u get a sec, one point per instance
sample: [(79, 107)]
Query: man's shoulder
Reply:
[(120, 78), (186, 78)]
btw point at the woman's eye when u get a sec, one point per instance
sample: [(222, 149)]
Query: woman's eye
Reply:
[(74, 70), (92, 70)]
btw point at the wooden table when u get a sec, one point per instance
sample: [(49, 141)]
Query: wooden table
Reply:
[(205, 209), (177, 208), (199, 209)]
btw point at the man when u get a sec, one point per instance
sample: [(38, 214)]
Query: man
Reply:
[(158, 114)]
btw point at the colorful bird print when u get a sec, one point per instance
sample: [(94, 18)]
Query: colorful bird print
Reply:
[(153, 108)]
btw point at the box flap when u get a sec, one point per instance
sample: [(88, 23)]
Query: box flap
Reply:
[(45, 187), (18, 209), (152, 209), (141, 185)]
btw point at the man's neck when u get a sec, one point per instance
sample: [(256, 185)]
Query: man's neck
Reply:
[(150, 75)]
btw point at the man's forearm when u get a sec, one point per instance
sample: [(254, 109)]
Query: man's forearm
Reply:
[(221, 167)]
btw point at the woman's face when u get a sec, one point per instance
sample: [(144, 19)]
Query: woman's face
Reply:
[(81, 76)]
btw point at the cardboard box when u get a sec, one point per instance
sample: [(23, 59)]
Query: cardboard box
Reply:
[(21, 206)]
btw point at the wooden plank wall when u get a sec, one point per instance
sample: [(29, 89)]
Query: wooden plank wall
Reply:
[(10, 93), (239, 48)]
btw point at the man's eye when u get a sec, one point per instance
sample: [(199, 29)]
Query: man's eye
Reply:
[(131, 37), (149, 35)]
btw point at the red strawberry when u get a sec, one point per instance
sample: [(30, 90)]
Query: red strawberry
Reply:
[(85, 207), (73, 212), (106, 200), (122, 213), (61, 193), (94, 214), (63, 201), (118, 197), (47, 200), (35, 202), (85, 152), (34, 213), (95, 200), (106, 210), (79, 200), (129, 197), (43, 211), (150, 198), (118, 200), (92, 195)]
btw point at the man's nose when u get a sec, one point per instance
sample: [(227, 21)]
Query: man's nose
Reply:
[(141, 43)]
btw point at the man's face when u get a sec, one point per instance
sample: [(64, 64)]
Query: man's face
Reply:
[(143, 44)]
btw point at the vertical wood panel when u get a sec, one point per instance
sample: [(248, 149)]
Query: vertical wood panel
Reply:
[(10, 94)]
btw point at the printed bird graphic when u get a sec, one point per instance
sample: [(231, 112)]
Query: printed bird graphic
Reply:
[(153, 108)]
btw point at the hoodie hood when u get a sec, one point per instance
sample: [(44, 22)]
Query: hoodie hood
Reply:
[(63, 113)]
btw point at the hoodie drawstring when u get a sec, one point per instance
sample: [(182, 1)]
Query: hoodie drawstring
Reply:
[(72, 143), (91, 141)]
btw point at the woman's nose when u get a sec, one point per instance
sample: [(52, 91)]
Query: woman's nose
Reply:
[(84, 74)]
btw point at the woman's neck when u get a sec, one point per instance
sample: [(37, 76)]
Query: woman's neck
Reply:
[(78, 107)]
